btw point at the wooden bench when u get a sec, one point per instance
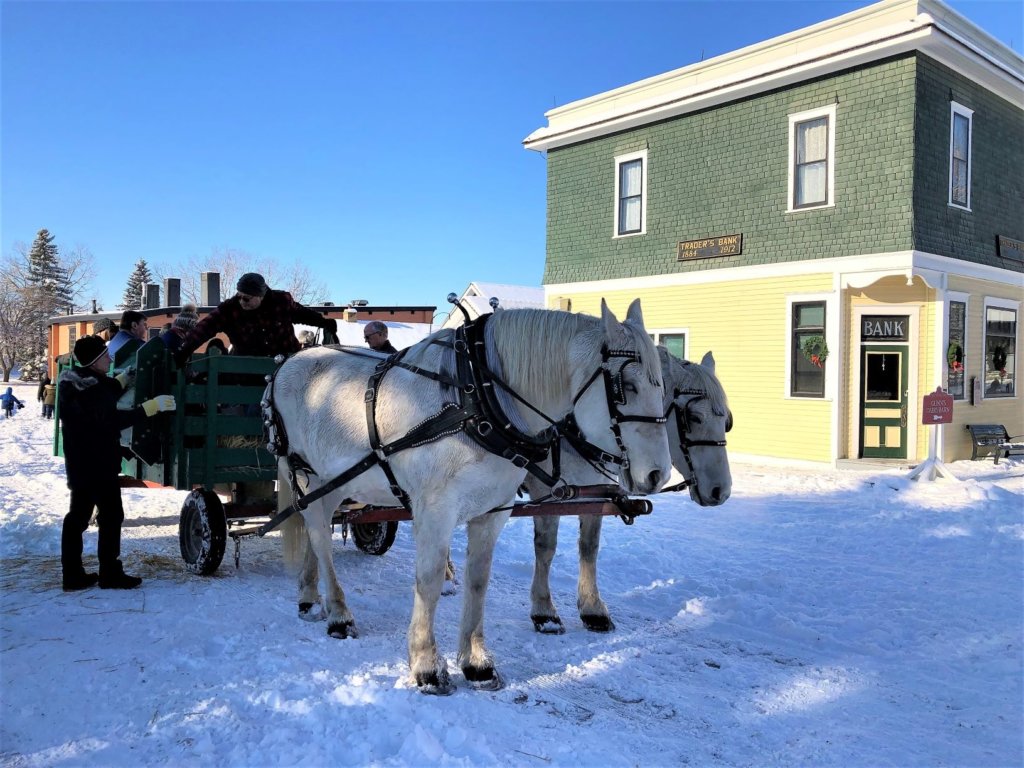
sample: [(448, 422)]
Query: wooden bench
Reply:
[(993, 440)]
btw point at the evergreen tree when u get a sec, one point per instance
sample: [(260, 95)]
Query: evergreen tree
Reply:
[(132, 298), (47, 291)]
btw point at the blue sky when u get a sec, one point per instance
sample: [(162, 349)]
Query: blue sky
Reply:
[(377, 143)]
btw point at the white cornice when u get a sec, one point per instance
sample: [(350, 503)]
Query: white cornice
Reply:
[(854, 270), (878, 31)]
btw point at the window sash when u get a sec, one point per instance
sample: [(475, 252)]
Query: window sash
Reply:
[(960, 158), (631, 197), (1001, 342), (806, 379), (810, 172)]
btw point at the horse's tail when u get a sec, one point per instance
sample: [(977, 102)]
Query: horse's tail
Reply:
[(293, 530)]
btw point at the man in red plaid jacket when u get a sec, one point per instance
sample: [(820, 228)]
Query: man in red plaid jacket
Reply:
[(257, 320)]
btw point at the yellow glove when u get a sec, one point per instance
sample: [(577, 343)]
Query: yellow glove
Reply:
[(158, 404), (125, 379)]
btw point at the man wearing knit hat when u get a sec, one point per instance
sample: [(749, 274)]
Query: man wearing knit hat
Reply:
[(258, 321), (91, 425), (105, 328)]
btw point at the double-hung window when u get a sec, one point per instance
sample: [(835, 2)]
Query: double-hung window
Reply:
[(674, 340), (631, 194), (812, 146), (1000, 348), (961, 126), (808, 350)]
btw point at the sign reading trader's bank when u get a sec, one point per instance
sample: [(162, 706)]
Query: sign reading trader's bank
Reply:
[(726, 245)]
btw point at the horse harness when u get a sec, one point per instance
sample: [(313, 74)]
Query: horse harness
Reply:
[(682, 415), (478, 414)]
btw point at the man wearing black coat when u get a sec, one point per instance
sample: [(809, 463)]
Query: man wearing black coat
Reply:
[(375, 334), (92, 424)]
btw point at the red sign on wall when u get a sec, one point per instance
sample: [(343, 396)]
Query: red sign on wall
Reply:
[(937, 408)]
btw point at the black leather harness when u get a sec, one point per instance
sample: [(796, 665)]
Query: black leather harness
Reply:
[(478, 414)]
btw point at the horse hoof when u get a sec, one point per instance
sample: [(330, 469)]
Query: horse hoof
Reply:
[(342, 630), (548, 625), (598, 623), (311, 612), (433, 684), (483, 678)]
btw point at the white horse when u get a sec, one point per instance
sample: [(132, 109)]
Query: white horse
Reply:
[(553, 360), (699, 417)]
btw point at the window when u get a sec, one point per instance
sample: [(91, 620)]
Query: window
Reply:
[(674, 340), (631, 194), (812, 144), (956, 355), (1000, 351), (960, 129), (807, 372), (72, 335)]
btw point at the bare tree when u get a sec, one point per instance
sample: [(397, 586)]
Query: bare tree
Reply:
[(17, 326), (232, 263)]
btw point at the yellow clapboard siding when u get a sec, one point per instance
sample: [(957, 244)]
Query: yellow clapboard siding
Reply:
[(745, 325)]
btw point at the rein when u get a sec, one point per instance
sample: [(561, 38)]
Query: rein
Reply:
[(683, 427)]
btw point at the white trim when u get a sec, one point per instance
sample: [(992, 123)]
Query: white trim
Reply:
[(879, 31), (640, 155), (875, 266), (831, 338), (1000, 303), (830, 162), (659, 332), (954, 110)]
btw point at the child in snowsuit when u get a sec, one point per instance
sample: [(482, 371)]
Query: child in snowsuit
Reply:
[(8, 400), (49, 400)]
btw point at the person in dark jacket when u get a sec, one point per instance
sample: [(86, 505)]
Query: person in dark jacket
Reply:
[(258, 321), (92, 425), (375, 334), (8, 401), (40, 392), (49, 400)]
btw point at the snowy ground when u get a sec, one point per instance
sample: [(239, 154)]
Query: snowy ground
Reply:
[(818, 618)]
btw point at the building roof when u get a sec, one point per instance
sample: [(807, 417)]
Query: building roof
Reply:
[(477, 297), (878, 31)]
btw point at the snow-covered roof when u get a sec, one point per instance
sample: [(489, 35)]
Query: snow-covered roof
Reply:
[(477, 296), (401, 335)]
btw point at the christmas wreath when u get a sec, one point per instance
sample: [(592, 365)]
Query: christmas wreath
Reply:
[(815, 350), (999, 360), (955, 357)]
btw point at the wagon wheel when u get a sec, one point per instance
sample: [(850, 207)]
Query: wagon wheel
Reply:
[(374, 538), (202, 531)]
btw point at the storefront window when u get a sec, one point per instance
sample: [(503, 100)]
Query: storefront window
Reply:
[(955, 351), (1000, 351)]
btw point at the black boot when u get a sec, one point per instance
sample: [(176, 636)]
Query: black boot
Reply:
[(118, 580), (80, 580)]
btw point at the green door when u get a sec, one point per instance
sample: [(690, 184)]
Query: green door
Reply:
[(883, 407)]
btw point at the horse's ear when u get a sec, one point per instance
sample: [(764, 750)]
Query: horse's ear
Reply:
[(611, 323), (634, 313), (708, 361)]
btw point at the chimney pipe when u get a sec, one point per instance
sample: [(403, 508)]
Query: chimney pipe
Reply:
[(151, 294), (210, 289), (172, 291)]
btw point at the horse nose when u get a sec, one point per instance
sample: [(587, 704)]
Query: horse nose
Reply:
[(654, 479)]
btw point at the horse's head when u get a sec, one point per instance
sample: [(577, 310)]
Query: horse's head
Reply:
[(699, 417), (619, 395)]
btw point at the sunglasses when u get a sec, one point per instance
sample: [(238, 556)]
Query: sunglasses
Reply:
[(243, 298), (369, 336)]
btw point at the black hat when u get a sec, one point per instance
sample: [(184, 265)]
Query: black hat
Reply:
[(252, 284), (88, 350)]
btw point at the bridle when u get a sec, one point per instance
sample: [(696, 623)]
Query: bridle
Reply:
[(682, 417), (615, 395)]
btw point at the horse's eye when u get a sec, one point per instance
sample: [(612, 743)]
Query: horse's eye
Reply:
[(696, 419), (629, 387)]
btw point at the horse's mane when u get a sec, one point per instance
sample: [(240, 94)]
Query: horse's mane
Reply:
[(533, 342), (689, 375)]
